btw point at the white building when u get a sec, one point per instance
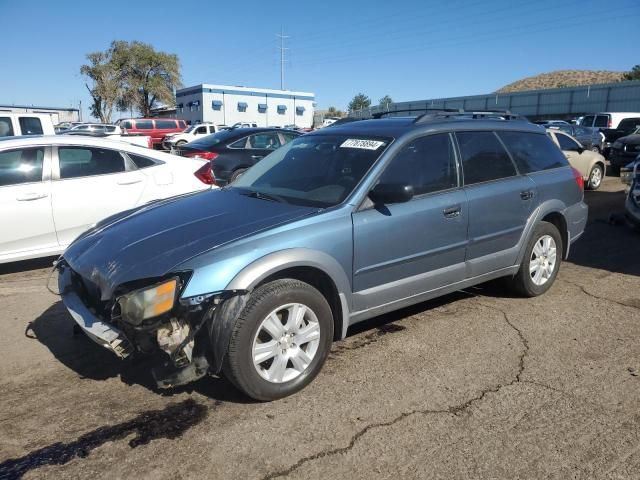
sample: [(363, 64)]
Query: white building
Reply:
[(226, 105), (58, 114)]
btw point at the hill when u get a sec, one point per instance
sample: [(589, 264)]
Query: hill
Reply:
[(562, 78)]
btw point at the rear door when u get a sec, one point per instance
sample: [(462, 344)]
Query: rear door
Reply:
[(89, 184), (573, 152), (405, 249), (602, 121), (500, 202), (25, 202)]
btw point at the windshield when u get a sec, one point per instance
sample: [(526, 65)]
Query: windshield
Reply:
[(190, 129), (316, 170)]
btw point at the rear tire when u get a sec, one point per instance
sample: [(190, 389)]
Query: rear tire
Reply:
[(236, 174), (595, 177), (541, 261), (280, 340)]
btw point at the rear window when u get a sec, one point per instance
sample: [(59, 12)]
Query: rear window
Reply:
[(533, 152), (483, 157), (144, 124), (30, 126), (165, 124), (602, 121), (6, 127)]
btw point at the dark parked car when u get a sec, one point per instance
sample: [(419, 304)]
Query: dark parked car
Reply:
[(257, 279), (625, 127), (233, 151), (624, 150), (590, 138)]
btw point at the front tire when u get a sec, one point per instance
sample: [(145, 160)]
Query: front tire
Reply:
[(541, 261), (280, 340), (595, 177)]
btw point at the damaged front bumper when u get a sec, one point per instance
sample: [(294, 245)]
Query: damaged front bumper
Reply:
[(100, 332), (194, 335)]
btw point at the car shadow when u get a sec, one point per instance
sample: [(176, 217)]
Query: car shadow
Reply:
[(54, 328), (613, 247), (27, 265)]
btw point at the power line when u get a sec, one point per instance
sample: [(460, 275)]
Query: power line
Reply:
[(282, 37)]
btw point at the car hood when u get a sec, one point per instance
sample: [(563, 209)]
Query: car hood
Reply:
[(150, 241), (633, 139)]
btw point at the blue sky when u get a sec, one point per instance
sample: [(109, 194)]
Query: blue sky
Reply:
[(407, 49)]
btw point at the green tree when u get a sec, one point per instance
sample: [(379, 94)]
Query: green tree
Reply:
[(359, 102), (633, 74), (151, 77), (128, 75), (105, 83), (386, 100), (334, 112)]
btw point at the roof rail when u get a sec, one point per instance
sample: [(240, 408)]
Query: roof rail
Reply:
[(406, 110), (474, 114)]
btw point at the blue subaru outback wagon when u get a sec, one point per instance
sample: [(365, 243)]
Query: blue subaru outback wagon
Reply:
[(255, 280)]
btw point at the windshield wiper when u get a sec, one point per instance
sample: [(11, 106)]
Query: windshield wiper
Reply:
[(264, 196)]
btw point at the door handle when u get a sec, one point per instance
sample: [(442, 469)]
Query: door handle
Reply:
[(128, 182), (27, 197), (526, 195), (452, 212), (257, 157)]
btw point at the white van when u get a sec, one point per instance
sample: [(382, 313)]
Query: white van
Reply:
[(17, 124), (606, 119)]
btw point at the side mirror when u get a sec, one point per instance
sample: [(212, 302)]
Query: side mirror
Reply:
[(391, 193), (580, 150)]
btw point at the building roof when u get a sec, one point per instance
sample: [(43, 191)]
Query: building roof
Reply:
[(204, 87), (36, 107)]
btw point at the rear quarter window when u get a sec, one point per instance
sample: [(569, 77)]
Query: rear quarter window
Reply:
[(30, 125), (533, 152), (142, 162)]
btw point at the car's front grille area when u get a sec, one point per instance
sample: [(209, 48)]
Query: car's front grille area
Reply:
[(90, 295)]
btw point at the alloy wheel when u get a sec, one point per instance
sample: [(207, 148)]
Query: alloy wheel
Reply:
[(286, 343), (542, 263), (596, 178)]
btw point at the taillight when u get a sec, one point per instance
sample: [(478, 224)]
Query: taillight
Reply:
[(205, 174), (202, 155), (610, 123), (578, 178)]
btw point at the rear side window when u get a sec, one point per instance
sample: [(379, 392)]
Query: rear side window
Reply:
[(85, 161), (140, 161), (30, 126), (6, 127), (567, 143), (533, 152), (165, 124), (21, 166), (288, 137), (144, 125), (483, 157), (264, 141), (602, 121), (427, 163)]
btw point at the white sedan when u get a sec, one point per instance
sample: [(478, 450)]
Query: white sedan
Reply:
[(52, 188)]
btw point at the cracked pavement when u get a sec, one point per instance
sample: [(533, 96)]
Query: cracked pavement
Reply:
[(477, 384)]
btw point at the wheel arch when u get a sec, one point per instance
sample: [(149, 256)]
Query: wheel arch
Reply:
[(557, 219)]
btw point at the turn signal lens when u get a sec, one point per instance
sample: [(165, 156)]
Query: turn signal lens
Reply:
[(579, 180)]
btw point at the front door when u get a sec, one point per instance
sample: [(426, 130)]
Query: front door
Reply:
[(405, 249), (91, 184), (26, 224), (500, 202)]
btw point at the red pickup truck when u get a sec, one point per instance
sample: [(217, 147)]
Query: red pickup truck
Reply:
[(156, 128)]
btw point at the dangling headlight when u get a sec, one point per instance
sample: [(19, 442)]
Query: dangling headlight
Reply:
[(148, 302)]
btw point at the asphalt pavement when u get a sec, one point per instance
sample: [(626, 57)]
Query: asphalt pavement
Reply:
[(477, 384)]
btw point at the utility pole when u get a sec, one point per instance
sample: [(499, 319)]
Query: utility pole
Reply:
[(282, 37)]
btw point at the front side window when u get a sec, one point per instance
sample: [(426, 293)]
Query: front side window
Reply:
[(86, 161), (264, 141), (427, 163), (533, 152), (30, 126), (313, 170), (567, 143), (483, 157), (588, 121), (602, 121), (201, 130), (6, 127), (21, 166)]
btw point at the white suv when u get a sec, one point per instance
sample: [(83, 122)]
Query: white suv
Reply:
[(194, 131), (17, 124)]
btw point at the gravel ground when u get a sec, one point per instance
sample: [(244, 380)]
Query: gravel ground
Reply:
[(477, 384)]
